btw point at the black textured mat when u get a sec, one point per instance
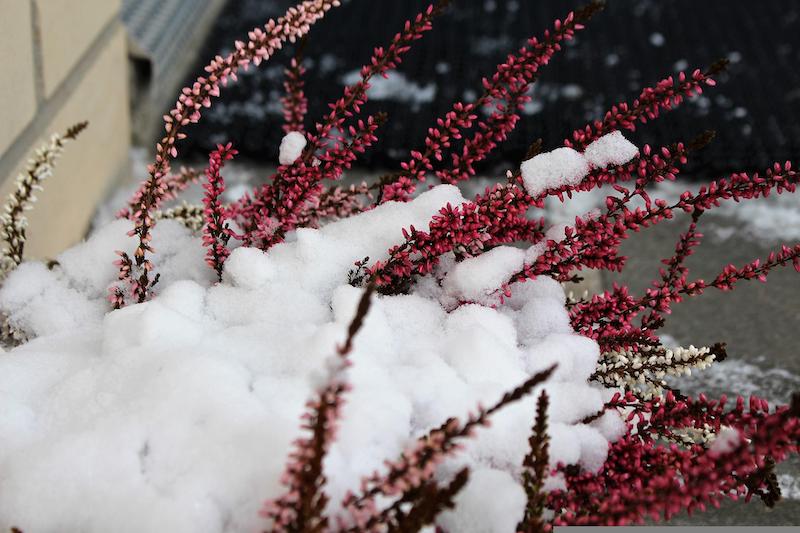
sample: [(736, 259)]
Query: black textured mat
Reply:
[(755, 110)]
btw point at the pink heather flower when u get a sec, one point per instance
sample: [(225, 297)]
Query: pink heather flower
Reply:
[(262, 44), (295, 103), (216, 232), (506, 91)]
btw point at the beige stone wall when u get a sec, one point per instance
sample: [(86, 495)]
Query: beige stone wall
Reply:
[(68, 63), (17, 89)]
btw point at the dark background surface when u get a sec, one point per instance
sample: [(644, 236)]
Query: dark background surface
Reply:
[(634, 43)]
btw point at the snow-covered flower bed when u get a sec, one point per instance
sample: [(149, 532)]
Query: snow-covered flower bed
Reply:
[(178, 413)]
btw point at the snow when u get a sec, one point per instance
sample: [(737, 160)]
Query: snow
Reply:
[(249, 268), (476, 278), (790, 487), (772, 220), (73, 294), (292, 146), (503, 517), (179, 413), (575, 355), (566, 166), (726, 441), (562, 166), (612, 149), (395, 87), (657, 39), (610, 425), (739, 377), (775, 219)]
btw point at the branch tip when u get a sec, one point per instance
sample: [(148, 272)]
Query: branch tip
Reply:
[(717, 67), (76, 129), (702, 140), (585, 13)]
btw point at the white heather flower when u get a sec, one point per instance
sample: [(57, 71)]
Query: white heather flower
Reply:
[(690, 435), (189, 215), (644, 371), (12, 220)]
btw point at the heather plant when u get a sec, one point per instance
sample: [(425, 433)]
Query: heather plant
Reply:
[(13, 220), (262, 44), (378, 314)]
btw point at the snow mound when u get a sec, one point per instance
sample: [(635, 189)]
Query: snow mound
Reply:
[(478, 277), (292, 146), (726, 441), (611, 149), (178, 414), (566, 166), (562, 166)]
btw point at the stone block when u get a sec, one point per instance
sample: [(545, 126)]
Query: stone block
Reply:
[(67, 30), (84, 174), (17, 85)]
